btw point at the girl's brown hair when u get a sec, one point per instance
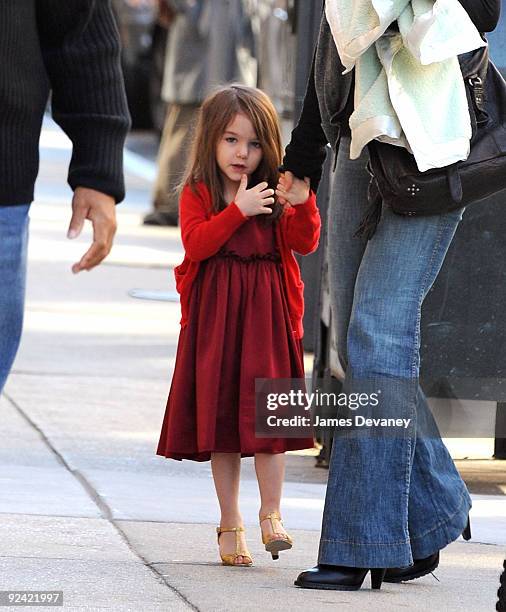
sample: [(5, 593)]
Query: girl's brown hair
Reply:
[(216, 113)]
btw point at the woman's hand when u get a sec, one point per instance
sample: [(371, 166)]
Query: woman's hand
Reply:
[(254, 201), (292, 190)]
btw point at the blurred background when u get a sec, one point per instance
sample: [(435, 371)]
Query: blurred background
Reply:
[(144, 27)]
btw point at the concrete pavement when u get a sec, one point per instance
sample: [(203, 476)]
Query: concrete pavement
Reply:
[(87, 508)]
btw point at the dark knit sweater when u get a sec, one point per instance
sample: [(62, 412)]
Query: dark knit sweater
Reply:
[(328, 103), (70, 47)]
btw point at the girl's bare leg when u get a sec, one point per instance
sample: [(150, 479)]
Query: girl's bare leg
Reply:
[(226, 468), (270, 470)]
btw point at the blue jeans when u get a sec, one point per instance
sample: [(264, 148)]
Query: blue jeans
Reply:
[(13, 248), (391, 498)]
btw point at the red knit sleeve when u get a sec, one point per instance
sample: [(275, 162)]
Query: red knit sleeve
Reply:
[(301, 226), (202, 234)]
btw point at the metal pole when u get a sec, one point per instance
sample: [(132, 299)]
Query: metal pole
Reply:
[(306, 22), (500, 431)]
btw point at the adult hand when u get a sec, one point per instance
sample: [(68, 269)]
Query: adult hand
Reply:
[(254, 201), (292, 190), (100, 209)]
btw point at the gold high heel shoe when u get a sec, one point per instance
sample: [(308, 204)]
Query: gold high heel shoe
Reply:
[(275, 541), (230, 559)]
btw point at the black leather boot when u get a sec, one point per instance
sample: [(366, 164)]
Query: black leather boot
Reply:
[(466, 534), (338, 578), (420, 567)]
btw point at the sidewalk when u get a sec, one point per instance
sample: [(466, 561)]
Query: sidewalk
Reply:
[(87, 508)]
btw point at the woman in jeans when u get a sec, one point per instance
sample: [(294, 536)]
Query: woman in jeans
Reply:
[(393, 499)]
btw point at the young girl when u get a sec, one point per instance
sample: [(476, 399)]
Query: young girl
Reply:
[(242, 306)]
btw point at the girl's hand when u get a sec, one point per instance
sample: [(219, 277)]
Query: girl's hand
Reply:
[(292, 190), (254, 201)]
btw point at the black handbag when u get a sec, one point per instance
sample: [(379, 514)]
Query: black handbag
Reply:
[(397, 182)]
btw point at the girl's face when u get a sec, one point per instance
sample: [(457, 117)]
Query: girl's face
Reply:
[(238, 151)]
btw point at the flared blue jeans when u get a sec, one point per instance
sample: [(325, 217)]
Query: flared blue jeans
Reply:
[(393, 493)]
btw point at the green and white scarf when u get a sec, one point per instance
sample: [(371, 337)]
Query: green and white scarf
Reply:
[(409, 89)]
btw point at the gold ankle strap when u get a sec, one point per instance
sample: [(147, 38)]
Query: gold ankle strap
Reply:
[(227, 529)]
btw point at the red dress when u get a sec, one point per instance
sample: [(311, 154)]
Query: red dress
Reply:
[(238, 330)]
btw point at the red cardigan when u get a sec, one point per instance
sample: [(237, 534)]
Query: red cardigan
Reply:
[(204, 233)]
